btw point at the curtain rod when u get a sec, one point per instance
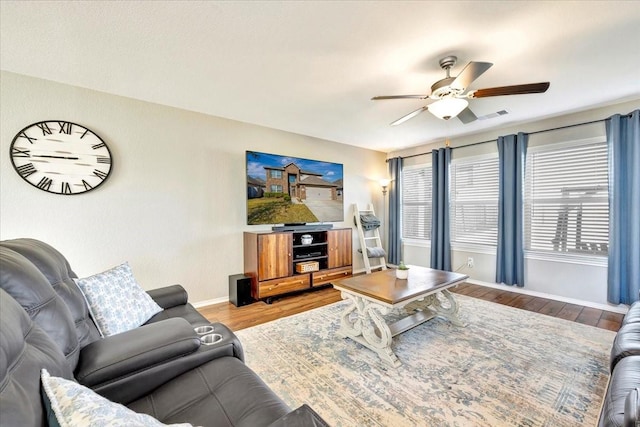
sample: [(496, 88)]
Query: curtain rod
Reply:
[(530, 133)]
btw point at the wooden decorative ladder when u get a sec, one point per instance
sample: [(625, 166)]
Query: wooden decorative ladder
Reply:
[(368, 239)]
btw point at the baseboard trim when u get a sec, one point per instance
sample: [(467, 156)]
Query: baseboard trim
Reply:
[(613, 308), (205, 303)]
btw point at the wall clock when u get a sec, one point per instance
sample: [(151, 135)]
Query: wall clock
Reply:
[(61, 157)]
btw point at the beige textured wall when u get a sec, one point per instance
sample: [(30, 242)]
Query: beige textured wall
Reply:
[(174, 205)]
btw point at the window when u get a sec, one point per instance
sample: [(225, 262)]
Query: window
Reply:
[(276, 188), (416, 202), (473, 197), (566, 199), (276, 174)]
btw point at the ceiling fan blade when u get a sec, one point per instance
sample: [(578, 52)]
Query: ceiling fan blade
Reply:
[(472, 71), (510, 90), (409, 116), (467, 116), (377, 98)]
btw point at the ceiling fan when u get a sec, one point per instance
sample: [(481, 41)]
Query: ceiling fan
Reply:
[(448, 98)]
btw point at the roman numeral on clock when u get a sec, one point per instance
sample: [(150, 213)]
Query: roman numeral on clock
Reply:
[(20, 152), (102, 159), (45, 183), (24, 135), (46, 130), (86, 185), (65, 127), (26, 170), (102, 144), (99, 174), (65, 188)]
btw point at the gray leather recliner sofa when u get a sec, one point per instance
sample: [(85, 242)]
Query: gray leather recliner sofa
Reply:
[(160, 368), (621, 404)]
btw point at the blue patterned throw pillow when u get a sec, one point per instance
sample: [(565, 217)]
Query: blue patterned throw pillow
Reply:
[(116, 302), (70, 404)]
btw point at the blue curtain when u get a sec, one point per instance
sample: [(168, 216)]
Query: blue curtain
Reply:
[(395, 242), (512, 151), (623, 139), (440, 233)]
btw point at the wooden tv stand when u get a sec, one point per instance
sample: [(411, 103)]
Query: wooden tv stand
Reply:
[(271, 260)]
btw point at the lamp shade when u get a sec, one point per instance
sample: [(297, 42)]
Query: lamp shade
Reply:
[(447, 108)]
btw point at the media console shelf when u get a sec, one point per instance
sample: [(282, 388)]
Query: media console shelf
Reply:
[(270, 259)]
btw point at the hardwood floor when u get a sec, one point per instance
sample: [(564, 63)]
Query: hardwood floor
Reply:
[(254, 314), (259, 312), (576, 313)]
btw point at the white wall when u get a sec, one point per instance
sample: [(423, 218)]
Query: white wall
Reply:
[(175, 203), (569, 281)]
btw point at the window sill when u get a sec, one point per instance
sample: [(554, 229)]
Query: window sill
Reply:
[(419, 243), (467, 247), (593, 260), (470, 247)]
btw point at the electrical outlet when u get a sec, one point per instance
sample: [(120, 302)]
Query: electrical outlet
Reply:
[(470, 262)]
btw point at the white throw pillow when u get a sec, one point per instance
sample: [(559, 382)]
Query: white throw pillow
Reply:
[(70, 404), (116, 302)]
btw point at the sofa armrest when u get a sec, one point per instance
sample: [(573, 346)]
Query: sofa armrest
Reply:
[(169, 296), (135, 350), (304, 416), (129, 387), (632, 408)]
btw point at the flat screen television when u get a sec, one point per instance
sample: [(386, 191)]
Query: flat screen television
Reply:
[(291, 191)]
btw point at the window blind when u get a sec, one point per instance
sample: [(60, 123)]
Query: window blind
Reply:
[(416, 203), (473, 194), (566, 199)]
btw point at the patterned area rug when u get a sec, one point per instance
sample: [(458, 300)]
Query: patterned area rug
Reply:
[(507, 367)]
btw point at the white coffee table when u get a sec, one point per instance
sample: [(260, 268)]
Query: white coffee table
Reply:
[(423, 296)]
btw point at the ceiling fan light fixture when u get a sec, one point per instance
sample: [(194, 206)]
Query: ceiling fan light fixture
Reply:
[(447, 108)]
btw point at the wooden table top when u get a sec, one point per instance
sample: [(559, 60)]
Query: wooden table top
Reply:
[(384, 286)]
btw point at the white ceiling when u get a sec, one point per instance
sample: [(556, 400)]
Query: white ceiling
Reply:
[(311, 67)]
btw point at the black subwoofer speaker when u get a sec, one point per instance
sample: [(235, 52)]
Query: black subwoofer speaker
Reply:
[(240, 290)]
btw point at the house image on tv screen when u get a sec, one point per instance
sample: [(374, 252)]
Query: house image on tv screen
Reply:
[(285, 189), (300, 184)]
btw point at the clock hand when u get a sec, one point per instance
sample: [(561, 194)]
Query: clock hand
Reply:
[(58, 157)]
